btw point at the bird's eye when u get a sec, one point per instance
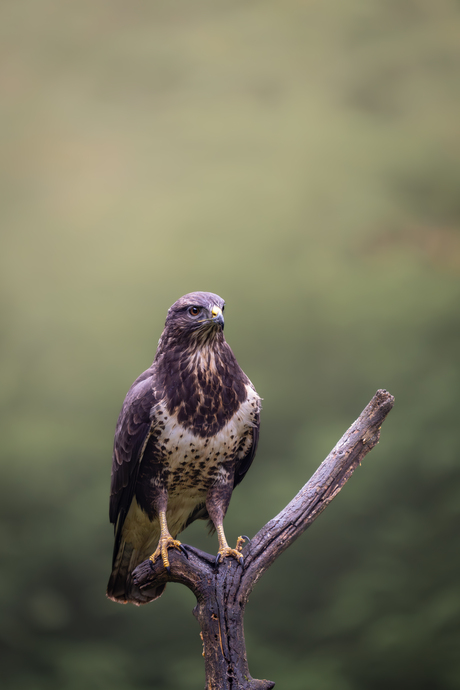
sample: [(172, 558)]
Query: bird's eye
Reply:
[(194, 311)]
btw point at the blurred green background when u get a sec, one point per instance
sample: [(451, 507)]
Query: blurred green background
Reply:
[(301, 159)]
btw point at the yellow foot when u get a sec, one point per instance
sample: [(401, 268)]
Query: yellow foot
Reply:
[(164, 544), (226, 551)]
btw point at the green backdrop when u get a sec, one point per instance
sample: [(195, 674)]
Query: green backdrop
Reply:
[(301, 159)]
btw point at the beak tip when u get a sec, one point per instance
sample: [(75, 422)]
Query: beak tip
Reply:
[(219, 319)]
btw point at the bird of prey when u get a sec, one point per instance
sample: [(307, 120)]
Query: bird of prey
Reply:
[(186, 436)]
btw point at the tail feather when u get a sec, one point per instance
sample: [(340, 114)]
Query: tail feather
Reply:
[(121, 587)]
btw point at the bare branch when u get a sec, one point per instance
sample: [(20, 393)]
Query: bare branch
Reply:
[(318, 492)]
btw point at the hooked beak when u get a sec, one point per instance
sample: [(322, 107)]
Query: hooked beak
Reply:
[(217, 317)]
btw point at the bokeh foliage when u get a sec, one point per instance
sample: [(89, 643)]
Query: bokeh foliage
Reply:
[(302, 159)]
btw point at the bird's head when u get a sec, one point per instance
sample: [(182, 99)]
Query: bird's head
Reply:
[(196, 318)]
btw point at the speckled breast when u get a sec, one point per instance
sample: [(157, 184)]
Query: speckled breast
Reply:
[(190, 461)]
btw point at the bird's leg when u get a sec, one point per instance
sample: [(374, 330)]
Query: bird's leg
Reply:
[(224, 548), (166, 542), (217, 502)]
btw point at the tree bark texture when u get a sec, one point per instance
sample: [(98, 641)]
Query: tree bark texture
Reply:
[(222, 591)]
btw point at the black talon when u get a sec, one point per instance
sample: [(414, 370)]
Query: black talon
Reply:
[(184, 551), (151, 563), (241, 560), (245, 537), (168, 569), (217, 561)]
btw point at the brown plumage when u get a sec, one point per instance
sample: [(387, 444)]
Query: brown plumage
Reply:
[(185, 437)]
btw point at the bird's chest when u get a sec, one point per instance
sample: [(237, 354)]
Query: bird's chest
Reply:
[(195, 463), (187, 462)]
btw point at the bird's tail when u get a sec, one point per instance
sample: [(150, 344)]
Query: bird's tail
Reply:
[(121, 587)]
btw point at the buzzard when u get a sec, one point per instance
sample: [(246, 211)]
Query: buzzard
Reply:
[(186, 436)]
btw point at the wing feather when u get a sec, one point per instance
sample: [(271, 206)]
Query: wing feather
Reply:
[(132, 431), (245, 463)]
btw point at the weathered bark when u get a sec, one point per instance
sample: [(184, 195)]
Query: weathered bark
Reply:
[(222, 591)]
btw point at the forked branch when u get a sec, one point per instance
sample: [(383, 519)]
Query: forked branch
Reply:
[(222, 591)]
